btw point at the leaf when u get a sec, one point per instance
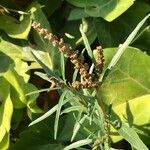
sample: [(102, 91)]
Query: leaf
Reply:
[(6, 110), (78, 144), (77, 13), (136, 114), (14, 28), (111, 34), (131, 136), (86, 43), (44, 44), (31, 100), (109, 10), (63, 66), (126, 80), (22, 68), (10, 49), (42, 137), (144, 36), (77, 3), (45, 68), (127, 42), (47, 114), (5, 61), (77, 126), (60, 104), (17, 90)]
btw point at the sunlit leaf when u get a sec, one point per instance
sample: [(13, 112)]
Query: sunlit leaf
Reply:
[(15, 28)]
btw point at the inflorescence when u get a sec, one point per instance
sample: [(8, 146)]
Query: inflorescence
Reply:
[(87, 79)]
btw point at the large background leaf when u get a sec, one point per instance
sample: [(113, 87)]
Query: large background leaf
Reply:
[(14, 28), (109, 10), (6, 110), (112, 34), (136, 114), (128, 79)]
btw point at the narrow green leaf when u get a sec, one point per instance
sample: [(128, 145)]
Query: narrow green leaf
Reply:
[(126, 43), (63, 66), (77, 127), (37, 91), (60, 104), (42, 75), (75, 75), (86, 43), (47, 114), (123, 47), (131, 136), (46, 69), (70, 109), (78, 144)]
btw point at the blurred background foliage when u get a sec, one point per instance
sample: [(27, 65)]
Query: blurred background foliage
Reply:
[(106, 23)]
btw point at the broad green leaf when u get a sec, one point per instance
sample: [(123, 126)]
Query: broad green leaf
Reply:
[(15, 28), (142, 41), (50, 6), (17, 90), (77, 3), (74, 32), (24, 53), (21, 68), (111, 34), (16, 118), (77, 13), (109, 10), (6, 110), (4, 144), (136, 114), (41, 133), (10, 49), (42, 136), (5, 61), (44, 44), (31, 100), (128, 79)]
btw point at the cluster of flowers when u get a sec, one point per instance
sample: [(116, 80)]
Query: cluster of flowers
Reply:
[(78, 62)]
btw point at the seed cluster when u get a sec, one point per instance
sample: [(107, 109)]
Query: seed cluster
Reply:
[(99, 60), (87, 80)]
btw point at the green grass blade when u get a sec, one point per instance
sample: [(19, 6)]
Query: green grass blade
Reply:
[(78, 144), (60, 104)]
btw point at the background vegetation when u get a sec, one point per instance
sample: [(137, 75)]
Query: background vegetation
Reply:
[(124, 92)]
